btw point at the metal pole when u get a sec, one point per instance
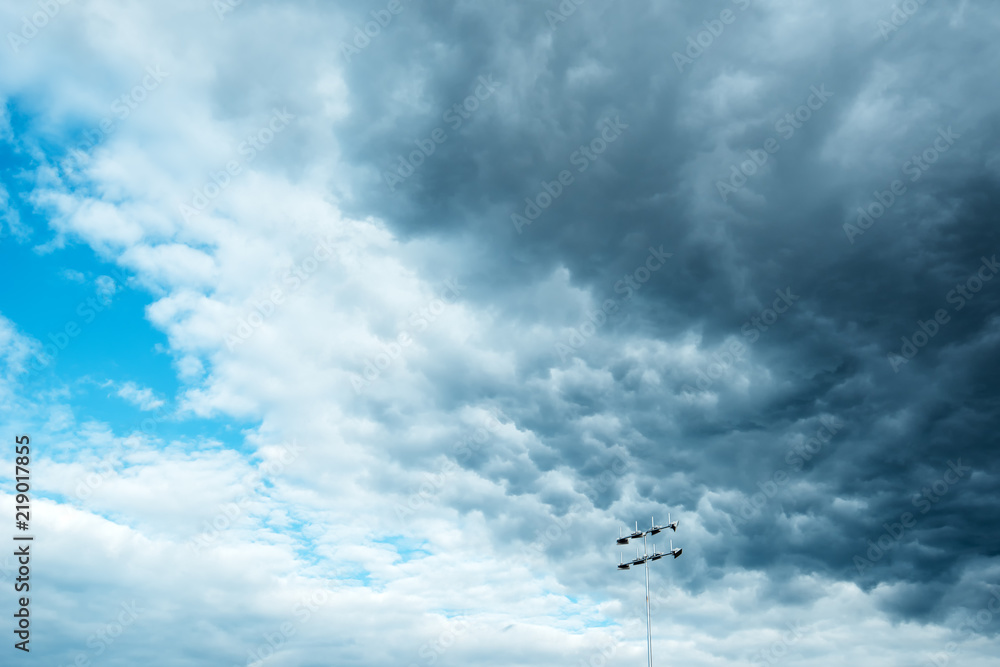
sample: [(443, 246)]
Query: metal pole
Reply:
[(644, 560), (649, 634)]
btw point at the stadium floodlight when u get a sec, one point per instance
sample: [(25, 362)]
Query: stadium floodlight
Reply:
[(645, 560)]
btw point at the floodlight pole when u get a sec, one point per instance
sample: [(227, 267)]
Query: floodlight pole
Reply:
[(646, 557), (649, 633)]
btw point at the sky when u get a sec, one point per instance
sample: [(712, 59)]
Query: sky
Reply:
[(353, 333)]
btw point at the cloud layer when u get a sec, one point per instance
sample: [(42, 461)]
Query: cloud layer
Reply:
[(448, 293)]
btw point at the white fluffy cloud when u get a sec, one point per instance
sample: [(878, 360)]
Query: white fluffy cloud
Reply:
[(142, 397)]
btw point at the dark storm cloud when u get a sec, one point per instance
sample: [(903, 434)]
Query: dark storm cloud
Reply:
[(852, 107)]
